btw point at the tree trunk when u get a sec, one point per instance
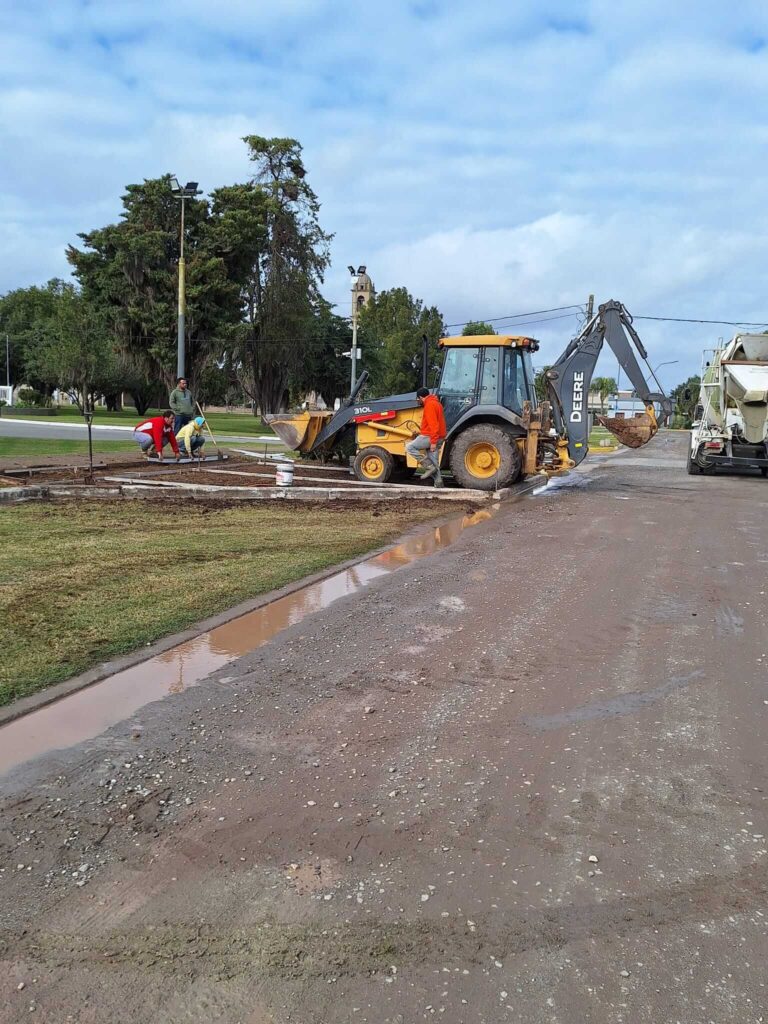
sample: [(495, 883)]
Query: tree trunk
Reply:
[(140, 401)]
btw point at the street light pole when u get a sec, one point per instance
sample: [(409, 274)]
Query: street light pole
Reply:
[(182, 313), (669, 362), (188, 191), (355, 292)]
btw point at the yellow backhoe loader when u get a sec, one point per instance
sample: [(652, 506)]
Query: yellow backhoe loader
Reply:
[(498, 431)]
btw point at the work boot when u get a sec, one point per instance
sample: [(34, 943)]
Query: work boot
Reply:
[(439, 481), (429, 468)]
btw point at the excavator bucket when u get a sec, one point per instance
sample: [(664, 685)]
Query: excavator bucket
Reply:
[(633, 432), (298, 430)]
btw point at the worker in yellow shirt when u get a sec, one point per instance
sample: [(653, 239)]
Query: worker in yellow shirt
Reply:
[(190, 439)]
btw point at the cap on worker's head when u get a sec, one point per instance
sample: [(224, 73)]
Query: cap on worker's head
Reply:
[(199, 420), (422, 392)]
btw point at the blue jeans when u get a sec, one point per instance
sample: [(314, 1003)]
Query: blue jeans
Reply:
[(197, 443), (419, 449), (180, 421)]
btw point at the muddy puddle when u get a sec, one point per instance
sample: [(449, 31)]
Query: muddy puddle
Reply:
[(89, 712)]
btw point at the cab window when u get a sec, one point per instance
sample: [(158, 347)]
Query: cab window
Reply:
[(489, 381), (459, 371), (514, 380)]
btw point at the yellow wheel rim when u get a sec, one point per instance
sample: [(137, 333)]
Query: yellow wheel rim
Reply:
[(372, 466), (483, 460)]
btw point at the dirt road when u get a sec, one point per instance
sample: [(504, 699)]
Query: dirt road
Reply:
[(522, 780)]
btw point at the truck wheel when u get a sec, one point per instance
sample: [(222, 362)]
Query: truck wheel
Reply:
[(691, 466), (706, 466), (374, 465), (764, 470), (485, 457)]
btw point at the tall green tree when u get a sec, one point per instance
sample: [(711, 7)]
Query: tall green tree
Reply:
[(540, 382), (129, 270), (75, 350), (25, 316), (280, 268), (392, 326), (477, 327), (324, 369), (686, 397), (604, 386)]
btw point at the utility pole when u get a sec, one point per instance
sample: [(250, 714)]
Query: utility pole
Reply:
[(362, 288), (188, 191), (182, 311), (7, 361), (354, 337)]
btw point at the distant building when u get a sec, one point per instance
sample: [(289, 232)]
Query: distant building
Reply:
[(362, 292)]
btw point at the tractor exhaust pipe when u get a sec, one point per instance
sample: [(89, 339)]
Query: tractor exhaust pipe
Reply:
[(361, 382)]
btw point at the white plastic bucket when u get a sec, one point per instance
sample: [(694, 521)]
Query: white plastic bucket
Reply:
[(284, 475)]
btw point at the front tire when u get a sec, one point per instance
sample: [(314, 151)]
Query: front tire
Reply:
[(485, 457), (374, 465)]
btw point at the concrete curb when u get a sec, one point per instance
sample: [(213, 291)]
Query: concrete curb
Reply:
[(11, 495), (305, 493)]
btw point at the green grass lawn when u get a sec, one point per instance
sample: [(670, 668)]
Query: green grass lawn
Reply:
[(221, 422), (83, 582), (598, 434), (11, 447)]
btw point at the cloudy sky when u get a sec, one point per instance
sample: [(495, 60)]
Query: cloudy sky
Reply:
[(495, 157)]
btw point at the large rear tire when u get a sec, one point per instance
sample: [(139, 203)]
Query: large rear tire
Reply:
[(373, 465), (692, 468), (706, 466), (485, 457)]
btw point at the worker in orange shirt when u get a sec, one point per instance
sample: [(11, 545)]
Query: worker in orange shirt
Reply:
[(425, 446)]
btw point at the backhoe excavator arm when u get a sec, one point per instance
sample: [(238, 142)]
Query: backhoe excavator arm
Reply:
[(569, 380)]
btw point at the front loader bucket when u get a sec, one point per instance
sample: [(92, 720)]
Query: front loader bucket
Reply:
[(298, 430), (633, 432)]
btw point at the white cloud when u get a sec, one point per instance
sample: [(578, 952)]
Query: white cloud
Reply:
[(492, 158)]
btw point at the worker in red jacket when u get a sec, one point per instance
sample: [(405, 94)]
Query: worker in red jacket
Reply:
[(425, 446), (153, 434)]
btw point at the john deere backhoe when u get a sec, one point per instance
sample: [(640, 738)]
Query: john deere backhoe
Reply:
[(498, 431)]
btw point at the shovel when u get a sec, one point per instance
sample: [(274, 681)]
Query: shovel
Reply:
[(219, 453)]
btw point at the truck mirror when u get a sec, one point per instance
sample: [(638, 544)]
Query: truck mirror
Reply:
[(687, 394)]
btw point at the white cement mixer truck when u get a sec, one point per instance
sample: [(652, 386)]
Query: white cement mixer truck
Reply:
[(731, 420)]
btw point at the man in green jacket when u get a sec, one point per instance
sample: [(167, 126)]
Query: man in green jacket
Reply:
[(181, 402)]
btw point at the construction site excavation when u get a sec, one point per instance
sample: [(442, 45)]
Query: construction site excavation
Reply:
[(234, 476)]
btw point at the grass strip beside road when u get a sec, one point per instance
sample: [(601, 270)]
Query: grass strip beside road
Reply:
[(85, 581), (18, 447), (220, 422)]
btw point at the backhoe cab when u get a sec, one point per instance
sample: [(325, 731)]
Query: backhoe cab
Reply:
[(498, 431)]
